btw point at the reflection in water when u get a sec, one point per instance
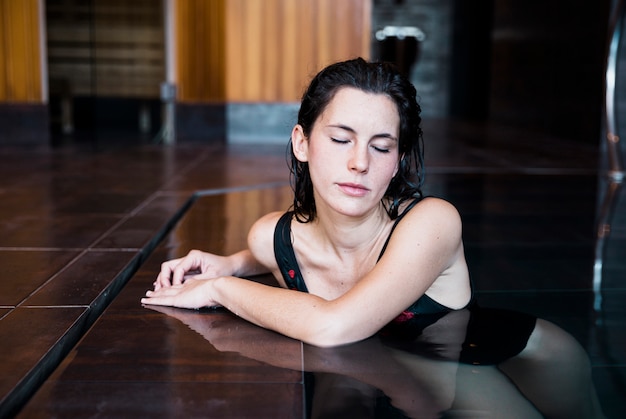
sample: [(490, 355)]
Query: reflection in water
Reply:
[(476, 362)]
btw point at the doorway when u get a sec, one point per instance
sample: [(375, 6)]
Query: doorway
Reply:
[(106, 61)]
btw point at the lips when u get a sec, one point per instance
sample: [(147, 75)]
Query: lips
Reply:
[(353, 189)]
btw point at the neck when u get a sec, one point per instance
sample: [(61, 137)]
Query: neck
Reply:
[(347, 234)]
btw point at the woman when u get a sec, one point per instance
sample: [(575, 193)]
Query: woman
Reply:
[(362, 248)]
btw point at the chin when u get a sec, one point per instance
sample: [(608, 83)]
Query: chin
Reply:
[(356, 209)]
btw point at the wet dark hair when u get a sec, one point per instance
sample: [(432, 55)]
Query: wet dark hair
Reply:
[(378, 78)]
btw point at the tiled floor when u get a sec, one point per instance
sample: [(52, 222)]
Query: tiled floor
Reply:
[(77, 225)]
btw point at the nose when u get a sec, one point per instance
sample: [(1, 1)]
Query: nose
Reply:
[(359, 160)]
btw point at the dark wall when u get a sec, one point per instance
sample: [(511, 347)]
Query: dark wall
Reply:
[(24, 124), (470, 66), (531, 63)]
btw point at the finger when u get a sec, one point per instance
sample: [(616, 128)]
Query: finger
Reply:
[(159, 282), (157, 301), (168, 275), (164, 292), (163, 280), (165, 275), (187, 264)]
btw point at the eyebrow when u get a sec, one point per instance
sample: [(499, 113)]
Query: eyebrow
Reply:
[(353, 131)]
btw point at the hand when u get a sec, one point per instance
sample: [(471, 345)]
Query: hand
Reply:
[(196, 264), (193, 293)]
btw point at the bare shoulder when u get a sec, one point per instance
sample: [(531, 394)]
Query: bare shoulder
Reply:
[(432, 221), (436, 212), (427, 244), (261, 238)]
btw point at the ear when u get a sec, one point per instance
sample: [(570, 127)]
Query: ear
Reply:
[(299, 144)]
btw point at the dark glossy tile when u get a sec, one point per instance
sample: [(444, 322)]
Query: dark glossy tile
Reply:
[(29, 270), (541, 267), (534, 230), (77, 192), (4, 312), (55, 232), (525, 231), (35, 341), (220, 223), (457, 143), (528, 203), (611, 387), (124, 171), (614, 264), (30, 202), (613, 242), (166, 399), (24, 326), (236, 166), (146, 224), (87, 202), (87, 279), (17, 170), (217, 347), (144, 345), (129, 297), (610, 327), (509, 193)]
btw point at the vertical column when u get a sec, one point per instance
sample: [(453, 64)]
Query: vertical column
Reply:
[(274, 47), (23, 108), (200, 69), (200, 56), (20, 48)]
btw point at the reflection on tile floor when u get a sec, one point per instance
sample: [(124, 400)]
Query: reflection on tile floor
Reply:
[(529, 210)]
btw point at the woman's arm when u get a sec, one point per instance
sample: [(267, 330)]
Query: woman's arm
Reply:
[(202, 265), (425, 246)]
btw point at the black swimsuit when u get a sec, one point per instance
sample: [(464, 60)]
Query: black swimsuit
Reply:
[(288, 265), (492, 335)]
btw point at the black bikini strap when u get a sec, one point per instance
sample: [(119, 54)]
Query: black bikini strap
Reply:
[(285, 256), (406, 210)]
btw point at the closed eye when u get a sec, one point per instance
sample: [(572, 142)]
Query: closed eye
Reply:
[(336, 140), (380, 149)]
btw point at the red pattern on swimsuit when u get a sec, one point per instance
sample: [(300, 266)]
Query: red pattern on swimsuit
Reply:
[(404, 317)]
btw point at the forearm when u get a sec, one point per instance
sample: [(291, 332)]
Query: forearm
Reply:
[(298, 315)]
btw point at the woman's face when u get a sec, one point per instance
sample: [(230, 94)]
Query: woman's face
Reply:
[(352, 151)]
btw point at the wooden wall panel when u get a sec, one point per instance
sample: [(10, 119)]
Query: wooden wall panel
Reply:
[(273, 47), (200, 56), (227, 50), (111, 48), (20, 51)]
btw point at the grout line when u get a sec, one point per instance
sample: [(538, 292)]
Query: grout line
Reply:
[(541, 291), (192, 165), (53, 276), (58, 306), (218, 191), (41, 249), (115, 249), (70, 249), (508, 170)]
